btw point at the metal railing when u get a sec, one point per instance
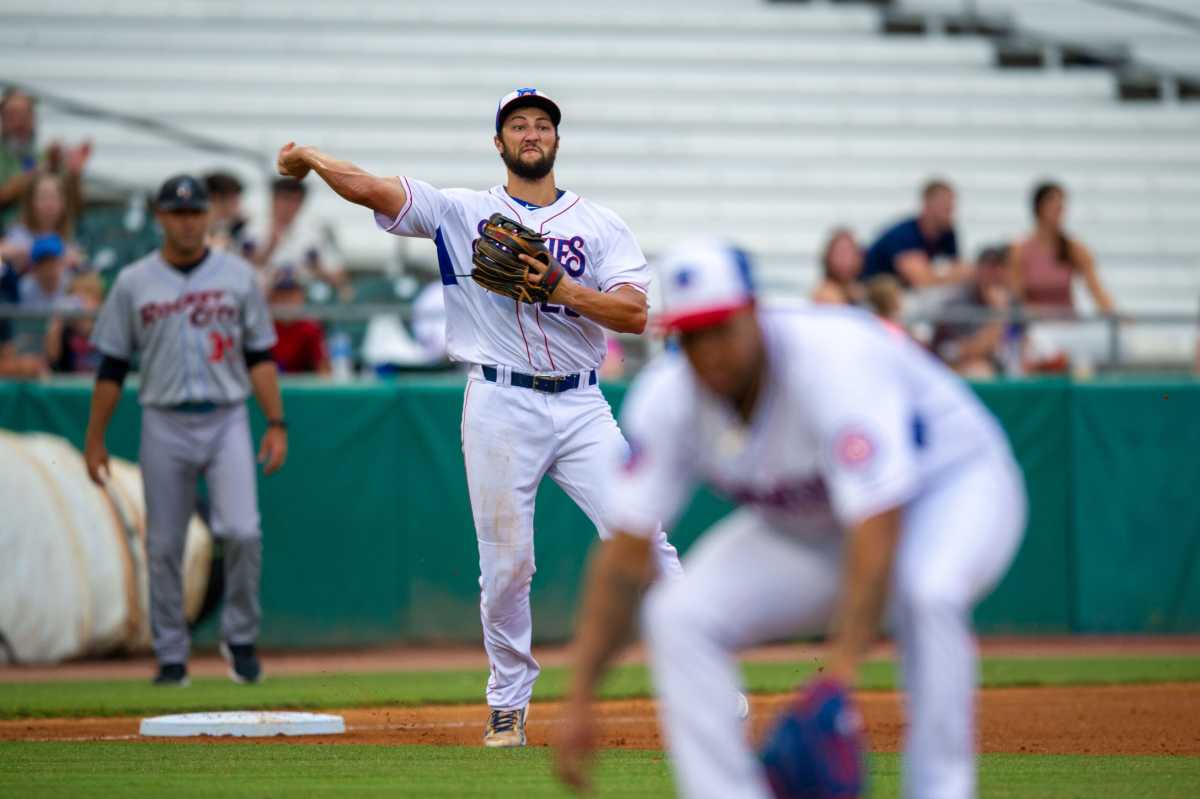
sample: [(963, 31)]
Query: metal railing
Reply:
[(1115, 325)]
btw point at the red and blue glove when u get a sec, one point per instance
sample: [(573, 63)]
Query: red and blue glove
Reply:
[(817, 749)]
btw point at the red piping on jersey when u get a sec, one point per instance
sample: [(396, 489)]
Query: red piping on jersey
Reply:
[(542, 227), (521, 327), (545, 338), (408, 206), (516, 213)]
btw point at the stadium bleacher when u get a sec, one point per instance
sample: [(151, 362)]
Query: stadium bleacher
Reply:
[(774, 121)]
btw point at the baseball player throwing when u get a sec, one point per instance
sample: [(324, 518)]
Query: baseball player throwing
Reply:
[(532, 406), (202, 329), (866, 473)]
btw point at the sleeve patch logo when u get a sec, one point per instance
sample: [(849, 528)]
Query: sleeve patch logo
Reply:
[(854, 449)]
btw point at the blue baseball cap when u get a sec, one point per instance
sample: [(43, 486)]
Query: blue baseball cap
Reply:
[(47, 246), (520, 98)]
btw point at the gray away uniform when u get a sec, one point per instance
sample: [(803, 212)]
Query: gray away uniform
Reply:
[(191, 330)]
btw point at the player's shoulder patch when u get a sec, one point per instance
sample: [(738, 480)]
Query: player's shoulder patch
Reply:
[(855, 447)]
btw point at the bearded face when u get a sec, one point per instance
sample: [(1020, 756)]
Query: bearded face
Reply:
[(528, 143)]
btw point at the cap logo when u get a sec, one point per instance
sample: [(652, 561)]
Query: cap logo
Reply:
[(184, 192), (525, 92)]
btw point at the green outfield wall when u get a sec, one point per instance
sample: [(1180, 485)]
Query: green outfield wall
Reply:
[(368, 533)]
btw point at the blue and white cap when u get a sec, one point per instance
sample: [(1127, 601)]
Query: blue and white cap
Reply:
[(519, 98), (704, 282)]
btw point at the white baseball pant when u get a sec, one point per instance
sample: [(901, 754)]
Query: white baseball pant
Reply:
[(746, 583), (513, 437)]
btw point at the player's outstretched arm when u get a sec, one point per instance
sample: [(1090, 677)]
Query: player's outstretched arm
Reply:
[(866, 577), (384, 195), (619, 574)]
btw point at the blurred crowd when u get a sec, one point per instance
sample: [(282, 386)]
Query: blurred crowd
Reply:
[(973, 313)]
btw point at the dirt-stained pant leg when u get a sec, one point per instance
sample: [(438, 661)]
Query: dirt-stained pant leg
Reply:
[(170, 462), (507, 446), (235, 521)]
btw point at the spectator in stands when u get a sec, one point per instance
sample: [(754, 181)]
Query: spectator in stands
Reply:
[(19, 158), (292, 242), (1043, 265), (68, 342), (13, 364), (973, 346), (228, 227), (909, 249), (44, 287), (885, 297), (48, 207), (300, 345), (842, 263)]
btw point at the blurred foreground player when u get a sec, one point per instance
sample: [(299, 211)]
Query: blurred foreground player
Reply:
[(867, 474), (202, 328)]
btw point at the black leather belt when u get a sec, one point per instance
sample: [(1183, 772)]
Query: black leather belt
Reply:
[(544, 383), (194, 407)]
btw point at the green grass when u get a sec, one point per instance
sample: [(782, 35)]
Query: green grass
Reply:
[(137, 697), (230, 771)]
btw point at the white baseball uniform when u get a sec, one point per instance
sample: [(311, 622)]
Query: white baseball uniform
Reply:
[(852, 420), (514, 436)]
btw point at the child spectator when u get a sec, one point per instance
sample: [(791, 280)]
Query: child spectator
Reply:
[(68, 342), (301, 342), (842, 263), (972, 346), (886, 298), (47, 208), (44, 287)]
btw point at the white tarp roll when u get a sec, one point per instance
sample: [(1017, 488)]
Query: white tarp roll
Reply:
[(73, 578)]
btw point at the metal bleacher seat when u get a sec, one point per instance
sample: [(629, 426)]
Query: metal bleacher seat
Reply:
[(774, 121)]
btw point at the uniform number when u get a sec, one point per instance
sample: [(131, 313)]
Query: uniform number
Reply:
[(221, 344), (548, 308)]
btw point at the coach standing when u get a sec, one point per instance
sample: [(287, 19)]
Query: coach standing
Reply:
[(202, 327)]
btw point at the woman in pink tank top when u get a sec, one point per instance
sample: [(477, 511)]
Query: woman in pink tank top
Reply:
[(1042, 265)]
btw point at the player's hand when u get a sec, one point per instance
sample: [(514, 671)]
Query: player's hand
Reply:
[(95, 455), (273, 451), (538, 271), (290, 161), (573, 755)]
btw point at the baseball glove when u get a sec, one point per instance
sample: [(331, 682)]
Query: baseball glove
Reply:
[(816, 749), (498, 267)]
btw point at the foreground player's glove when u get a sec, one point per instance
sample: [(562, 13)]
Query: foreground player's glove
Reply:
[(499, 268), (816, 750)]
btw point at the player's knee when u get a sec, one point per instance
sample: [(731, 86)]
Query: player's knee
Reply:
[(505, 585), (925, 597), (668, 611)]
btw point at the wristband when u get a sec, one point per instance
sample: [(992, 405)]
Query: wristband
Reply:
[(280, 423)]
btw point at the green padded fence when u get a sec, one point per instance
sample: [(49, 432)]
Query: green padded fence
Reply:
[(368, 533)]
